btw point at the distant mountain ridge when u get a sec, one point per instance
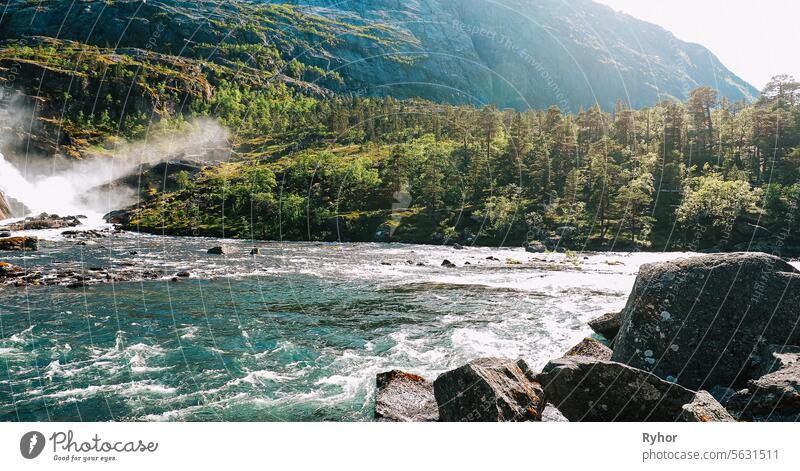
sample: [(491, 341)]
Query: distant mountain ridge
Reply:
[(525, 54), (511, 53)]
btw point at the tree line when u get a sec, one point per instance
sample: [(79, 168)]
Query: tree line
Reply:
[(699, 173)]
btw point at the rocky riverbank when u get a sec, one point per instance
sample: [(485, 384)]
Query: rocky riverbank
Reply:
[(72, 274), (705, 339)]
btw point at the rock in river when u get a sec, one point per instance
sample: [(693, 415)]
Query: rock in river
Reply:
[(535, 247), (698, 320), (44, 221), (19, 244), (489, 390), (590, 390), (591, 348), (219, 250), (607, 325), (405, 397)]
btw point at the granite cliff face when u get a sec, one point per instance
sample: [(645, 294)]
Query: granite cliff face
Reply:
[(524, 54), (511, 53)]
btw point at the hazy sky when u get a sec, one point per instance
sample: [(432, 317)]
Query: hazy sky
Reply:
[(756, 39)]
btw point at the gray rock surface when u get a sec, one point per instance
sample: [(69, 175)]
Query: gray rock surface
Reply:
[(404, 397), (551, 414), (591, 348), (772, 397), (699, 320), (607, 325), (43, 221), (590, 390), (771, 358), (489, 390), (535, 247), (704, 408), (219, 250)]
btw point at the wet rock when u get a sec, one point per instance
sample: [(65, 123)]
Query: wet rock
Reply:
[(448, 264), (589, 390), (607, 325), (552, 414), (772, 397), (90, 234), (255, 251), (493, 259), (590, 348), (118, 217), (8, 271), (4, 234), (704, 408), (458, 246), (698, 320), (405, 397), (183, 274), (535, 247), (489, 390), (44, 221), (219, 250), (19, 244)]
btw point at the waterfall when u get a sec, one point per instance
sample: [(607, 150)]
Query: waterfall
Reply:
[(55, 194)]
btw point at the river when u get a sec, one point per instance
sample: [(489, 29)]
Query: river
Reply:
[(294, 334)]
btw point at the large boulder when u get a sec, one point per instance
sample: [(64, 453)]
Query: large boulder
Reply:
[(404, 397), (607, 325), (489, 390), (19, 244), (591, 348), (590, 390), (697, 321)]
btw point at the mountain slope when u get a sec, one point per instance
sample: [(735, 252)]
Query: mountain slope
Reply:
[(526, 53), (511, 53)]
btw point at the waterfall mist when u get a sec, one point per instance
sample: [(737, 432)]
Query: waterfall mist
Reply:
[(82, 187)]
